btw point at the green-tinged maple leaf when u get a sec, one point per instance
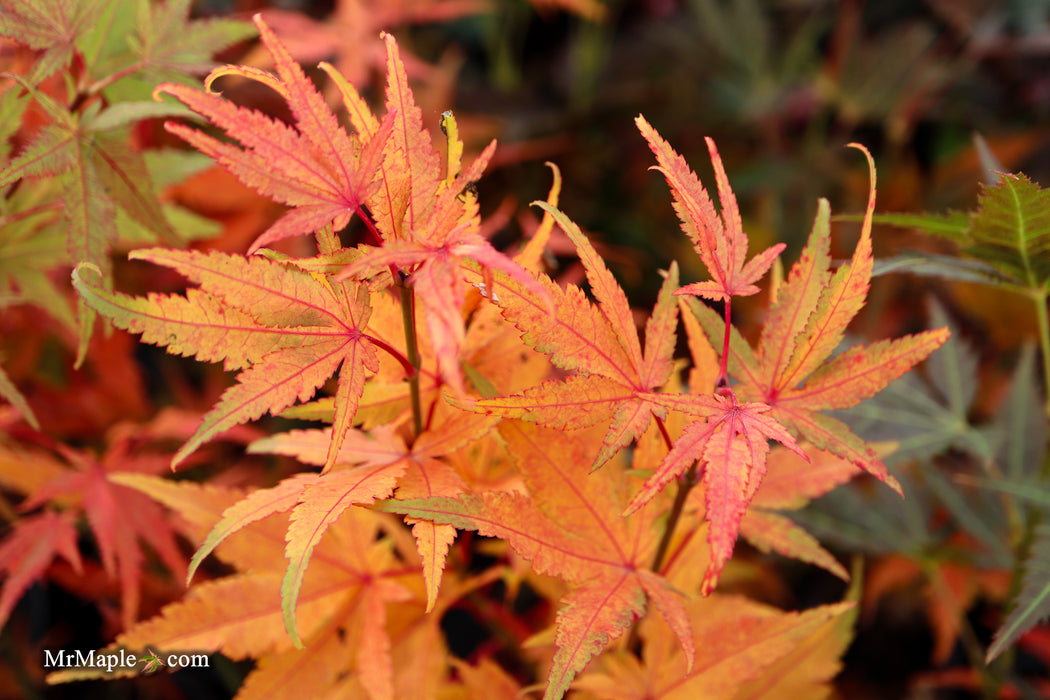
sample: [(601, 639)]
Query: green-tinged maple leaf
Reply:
[(321, 171), (600, 342), (10, 392), (730, 448), (168, 44), (388, 172), (33, 235), (789, 484), (570, 526), (737, 641), (794, 370), (28, 550), (1007, 235), (120, 519), (718, 239), (1033, 601), (925, 418), (52, 27), (419, 473), (287, 331), (98, 175)]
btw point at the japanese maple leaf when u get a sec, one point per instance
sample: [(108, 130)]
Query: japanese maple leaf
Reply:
[(569, 526), (730, 448), (49, 27), (170, 44), (315, 166), (419, 473), (794, 370), (88, 156), (30, 548), (120, 520), (342, 614), (790, 483), (287, 331), (428, 221), (432, 260), (744, 650), (598, 341), (718, 239)]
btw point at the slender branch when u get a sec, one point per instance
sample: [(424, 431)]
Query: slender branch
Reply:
[(408, 317), (723, 369), (686, 482)]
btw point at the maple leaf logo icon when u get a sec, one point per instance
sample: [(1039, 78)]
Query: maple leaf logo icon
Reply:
[(153, 662)]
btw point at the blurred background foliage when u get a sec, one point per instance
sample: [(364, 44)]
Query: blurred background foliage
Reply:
[(781, 85), (941, 91)]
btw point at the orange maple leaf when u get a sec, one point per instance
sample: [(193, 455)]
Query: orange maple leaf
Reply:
[(793, 370), (316, 167), (731, 449), (599, 341), (418, 470), (745, 650), (719, 240), (355, 576), (570, 526), (286, 329)]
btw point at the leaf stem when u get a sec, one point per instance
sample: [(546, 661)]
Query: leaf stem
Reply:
[(1039, 296), (686, 482), (366, 216), (408, 318), (410, 371)]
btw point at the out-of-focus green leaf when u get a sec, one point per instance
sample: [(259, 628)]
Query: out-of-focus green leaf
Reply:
[(1033, 602), (1009, 232), (943, 266), (10, 392), (926, 418), (1022, 421)]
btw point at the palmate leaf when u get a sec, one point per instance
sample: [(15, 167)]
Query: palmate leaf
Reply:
[(97, 176), (417, 471), (600, 342), (1009, 232), (29, 549), (120, 520), (794, 370), (322, 171), (570, 526), (355, 575), (168, 44), (718, 239), (287, 331), (52, 27), (745, 651), (730, 449)]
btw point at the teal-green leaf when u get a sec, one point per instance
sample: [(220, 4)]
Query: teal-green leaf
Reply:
[(1033, 602)]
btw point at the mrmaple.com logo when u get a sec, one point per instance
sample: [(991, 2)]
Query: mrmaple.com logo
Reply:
[(121, 659)]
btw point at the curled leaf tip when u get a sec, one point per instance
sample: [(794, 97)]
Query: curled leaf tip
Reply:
[(86, 265)]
